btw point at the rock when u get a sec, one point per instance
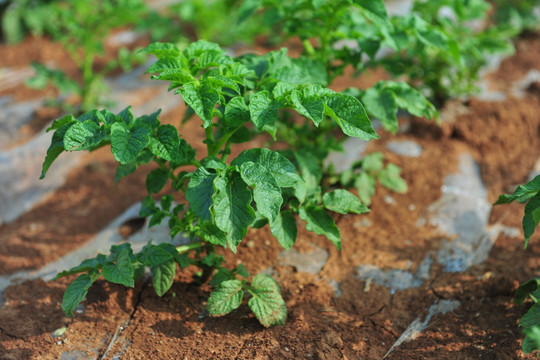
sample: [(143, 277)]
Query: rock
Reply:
[(396, 279), (407, 148), (311, 262)]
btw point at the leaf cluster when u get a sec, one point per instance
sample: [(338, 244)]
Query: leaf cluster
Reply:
[(443, 44), (81, 26), (528, 193), (364, 175), (123, 267), (26, 16), (436, 46), (529, 322), (520, 15)]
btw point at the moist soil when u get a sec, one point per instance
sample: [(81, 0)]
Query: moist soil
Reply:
[(361, 323)]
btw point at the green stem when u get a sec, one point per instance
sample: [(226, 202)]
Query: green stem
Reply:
[(310, 50), (210, 144), (88, 78), (225, 142), (191, 246)]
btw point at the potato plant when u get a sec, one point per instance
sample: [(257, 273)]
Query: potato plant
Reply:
[(259, 186), (81, 27), (19, 17), (448, 64), (528, 194)]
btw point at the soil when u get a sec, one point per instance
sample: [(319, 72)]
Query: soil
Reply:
[(362, 323)]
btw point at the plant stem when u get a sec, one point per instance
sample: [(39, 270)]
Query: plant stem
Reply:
[(309, 48), (88, 78), (191, 246)]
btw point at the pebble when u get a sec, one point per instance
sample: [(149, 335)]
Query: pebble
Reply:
[(406, 148), (310, 262), (389, 200)]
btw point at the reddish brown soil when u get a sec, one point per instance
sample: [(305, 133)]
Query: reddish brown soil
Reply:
[(360, 324)]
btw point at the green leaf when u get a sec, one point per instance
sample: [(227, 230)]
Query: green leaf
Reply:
[(200, 46), (311, 107), (57, 78), (120, 272), (212, 58), (163, 276), (531, 318), (246, 9), (162, 50), (390, 179), (211, 233), (350, 115), (266, 191), (263, 111), (282, 170), (126, 115), (242, 271), (165, 143), (312, 174), (284, 229), (86, 265), (236, 113), (267, 303), (525, 289), (76, 292), (532, 340), (83, 136), (213, 163), (177, 77), (365, 185), (151, 121), (232, 211), (12, 29), (428, 34), (412, 100), (126, 144), (222, 81), (156, 180), (373, 163), (152, 255), (125, 169), (283, 89), (343, 202), (382, 104), (202, 99), (172, 65), (56, 147), (531, 217), (375, 7), (522, 193), (226, 298), (199, 193), (182, 260), (62, 122), (319, 222)]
